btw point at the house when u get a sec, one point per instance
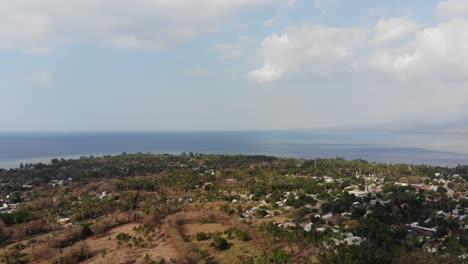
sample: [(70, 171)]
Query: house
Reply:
[(287, 224), (425, 231), (4, 207), (15, 206), (353, 240), (60, 183), (63, 221), (327, 216), (328, 179), (320, 229), (359, 194)]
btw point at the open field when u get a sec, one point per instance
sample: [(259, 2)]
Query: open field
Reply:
[(106, 250)]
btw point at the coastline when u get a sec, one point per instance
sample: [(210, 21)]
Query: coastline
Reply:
[(429, 149)]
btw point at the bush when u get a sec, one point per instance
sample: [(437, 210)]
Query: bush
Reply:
[(278, 256), (227, 209), (17, 217), (202, 236), (220, 243), (19, 246), (244, 236), (123, 237)]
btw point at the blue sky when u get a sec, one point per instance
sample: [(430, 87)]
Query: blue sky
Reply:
[(231, 64)]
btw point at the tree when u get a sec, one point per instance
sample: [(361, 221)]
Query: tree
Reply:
[(14, 197)]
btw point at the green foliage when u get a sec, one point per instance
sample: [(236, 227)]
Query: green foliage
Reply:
[(202, 236), (241, 235), (17, 217), (276, 256), (85, 229), (453, 246), (258, 190), (123, 237), (15, 197), (128, 201), (227, 209), (219, 243)]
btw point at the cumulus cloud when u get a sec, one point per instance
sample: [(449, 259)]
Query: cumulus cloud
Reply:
[(396, 47), (436, 53), (315, 49), (145, 24), (453, 8), (393, 29)]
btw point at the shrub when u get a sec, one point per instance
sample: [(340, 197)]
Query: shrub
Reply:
[(180, 222), (19, 246), (220, 243), (242, 235), (227, 209), (123, 237), (202, 236)]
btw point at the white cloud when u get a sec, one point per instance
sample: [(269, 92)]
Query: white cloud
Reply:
[(453, 8), (393, 29), (396, 47), (147, 24), (267, 73), (436, 53), (18, 31), (411, 71), (315, 49)]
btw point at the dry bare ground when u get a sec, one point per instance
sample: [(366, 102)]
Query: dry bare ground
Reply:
[(193, 229), (105, 250), (184, 226)]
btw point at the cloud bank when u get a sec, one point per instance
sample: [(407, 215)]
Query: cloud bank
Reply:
[(42, 25), (396, 47)]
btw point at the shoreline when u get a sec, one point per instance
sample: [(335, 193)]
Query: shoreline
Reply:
[(435, 162)]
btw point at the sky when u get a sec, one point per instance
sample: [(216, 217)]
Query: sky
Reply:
[(143, 65)]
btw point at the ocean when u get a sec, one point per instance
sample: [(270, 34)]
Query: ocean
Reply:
[(388, 147)]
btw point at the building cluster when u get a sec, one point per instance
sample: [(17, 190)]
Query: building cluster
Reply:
[(370, 192)]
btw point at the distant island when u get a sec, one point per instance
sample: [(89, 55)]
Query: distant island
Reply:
[(202, 208)]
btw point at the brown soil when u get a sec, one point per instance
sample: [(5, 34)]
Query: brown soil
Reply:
[(162, 246)]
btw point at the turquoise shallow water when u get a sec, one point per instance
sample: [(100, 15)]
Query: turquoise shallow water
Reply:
[(417, 148)]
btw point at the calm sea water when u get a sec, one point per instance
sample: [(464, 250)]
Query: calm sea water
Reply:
[(416, 148)]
